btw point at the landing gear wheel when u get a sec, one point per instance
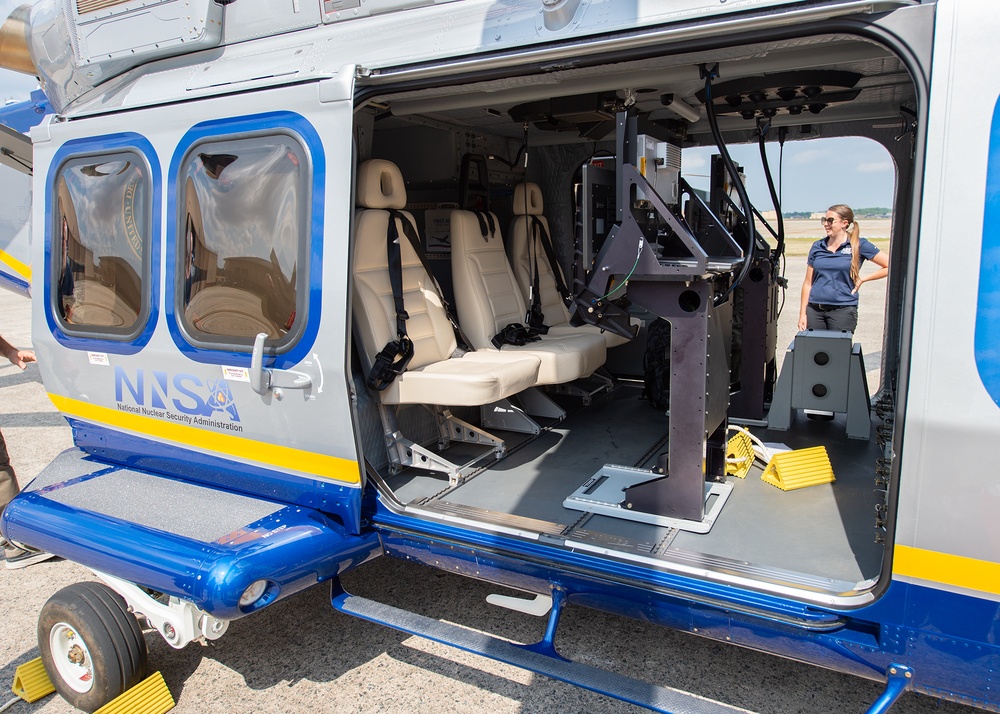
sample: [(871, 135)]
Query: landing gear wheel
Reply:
[(92, 647)]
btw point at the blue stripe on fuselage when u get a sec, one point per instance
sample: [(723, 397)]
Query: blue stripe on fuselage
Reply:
[(987, 341)]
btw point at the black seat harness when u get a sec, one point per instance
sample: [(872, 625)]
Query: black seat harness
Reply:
[(487, 226), (537, 235), (514, 333), (392, 360)]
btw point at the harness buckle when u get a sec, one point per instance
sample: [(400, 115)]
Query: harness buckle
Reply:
[(390, 363), (515, 334), (536, 320)]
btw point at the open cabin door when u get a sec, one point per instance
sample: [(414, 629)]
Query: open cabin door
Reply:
[(230, 369), (15, 234)]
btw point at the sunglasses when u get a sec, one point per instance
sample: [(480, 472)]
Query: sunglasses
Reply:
[(827, 221)]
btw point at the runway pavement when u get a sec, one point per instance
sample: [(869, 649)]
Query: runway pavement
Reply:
[(301, 656)]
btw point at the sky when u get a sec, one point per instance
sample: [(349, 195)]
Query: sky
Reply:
[(15, 86), (815, 174)]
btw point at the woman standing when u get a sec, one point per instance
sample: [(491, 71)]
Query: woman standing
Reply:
[(16, 555), (830, 290)]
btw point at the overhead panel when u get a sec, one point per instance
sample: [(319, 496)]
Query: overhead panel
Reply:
[(109, 30)]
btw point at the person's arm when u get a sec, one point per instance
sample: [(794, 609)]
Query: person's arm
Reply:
[(806, 288), (16, 356), (881, 259)]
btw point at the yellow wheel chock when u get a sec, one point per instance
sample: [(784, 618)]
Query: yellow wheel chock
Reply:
[(739, 454), (31, 682), (799, 468), (150, 696)]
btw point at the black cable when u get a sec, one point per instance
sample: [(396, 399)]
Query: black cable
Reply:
[(783, 262), (782, 133), (741, 190), (780, 249), (505, 162)]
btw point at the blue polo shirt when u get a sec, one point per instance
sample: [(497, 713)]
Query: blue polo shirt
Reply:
[(832, 272)]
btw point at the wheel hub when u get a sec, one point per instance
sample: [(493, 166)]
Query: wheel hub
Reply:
[(71, 657)]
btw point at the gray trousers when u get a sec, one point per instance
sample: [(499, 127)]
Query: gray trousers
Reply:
[(842, 318)]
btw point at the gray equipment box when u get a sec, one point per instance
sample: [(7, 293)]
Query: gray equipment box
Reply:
[(823, 371)]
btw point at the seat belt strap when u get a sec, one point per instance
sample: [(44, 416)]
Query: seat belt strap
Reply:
[(395, 261), (414, 239), (396, 355), (550, 254), (536, 317), (486, 224)]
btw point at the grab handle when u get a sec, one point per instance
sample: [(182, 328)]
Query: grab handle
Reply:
[(263, 379)]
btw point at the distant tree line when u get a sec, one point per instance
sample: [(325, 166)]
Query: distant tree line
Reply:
[(877, 212), (873, 212)]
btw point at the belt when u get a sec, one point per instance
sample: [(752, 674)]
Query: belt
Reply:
[(827, 308)]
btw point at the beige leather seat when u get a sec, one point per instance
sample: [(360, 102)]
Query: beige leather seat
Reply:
[(488, 299), (525, 256), (433, 376)]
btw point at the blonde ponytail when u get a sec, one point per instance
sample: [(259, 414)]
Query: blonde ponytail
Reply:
[(855, 253)]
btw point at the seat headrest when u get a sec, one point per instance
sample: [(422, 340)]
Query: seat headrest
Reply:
[(380, 185), (533, 205)]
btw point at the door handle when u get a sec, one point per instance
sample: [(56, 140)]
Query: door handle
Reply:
[(264, 379)]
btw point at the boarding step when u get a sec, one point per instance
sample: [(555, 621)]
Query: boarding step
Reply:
[(196, 542), (651, 696)]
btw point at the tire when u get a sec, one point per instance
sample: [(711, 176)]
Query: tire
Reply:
[(91, 645)]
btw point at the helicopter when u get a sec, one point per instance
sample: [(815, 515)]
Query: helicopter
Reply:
[(340, 280)]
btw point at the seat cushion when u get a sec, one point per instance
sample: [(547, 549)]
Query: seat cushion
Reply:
[(610, 338), (563, 358), (472, 380)]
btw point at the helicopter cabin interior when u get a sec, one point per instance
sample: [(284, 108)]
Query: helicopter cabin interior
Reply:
[(527, 196)]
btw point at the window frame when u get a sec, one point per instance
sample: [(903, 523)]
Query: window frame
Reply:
[(227, 351), (235, 145), (94, 338)]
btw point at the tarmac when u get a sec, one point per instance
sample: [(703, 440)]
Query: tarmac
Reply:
[(300, 655)]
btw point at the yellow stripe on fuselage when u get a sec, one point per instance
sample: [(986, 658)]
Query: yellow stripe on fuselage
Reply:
[(955, 570), (22, 270), (274, 456)]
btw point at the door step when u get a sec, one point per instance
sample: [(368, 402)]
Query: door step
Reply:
[(651, 696)]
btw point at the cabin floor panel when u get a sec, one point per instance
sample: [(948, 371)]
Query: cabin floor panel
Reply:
[(823, 532), (827, 529), (535, 479)]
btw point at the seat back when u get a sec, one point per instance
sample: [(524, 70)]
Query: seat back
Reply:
[(525, 255), (486, 294), (380, 188)]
